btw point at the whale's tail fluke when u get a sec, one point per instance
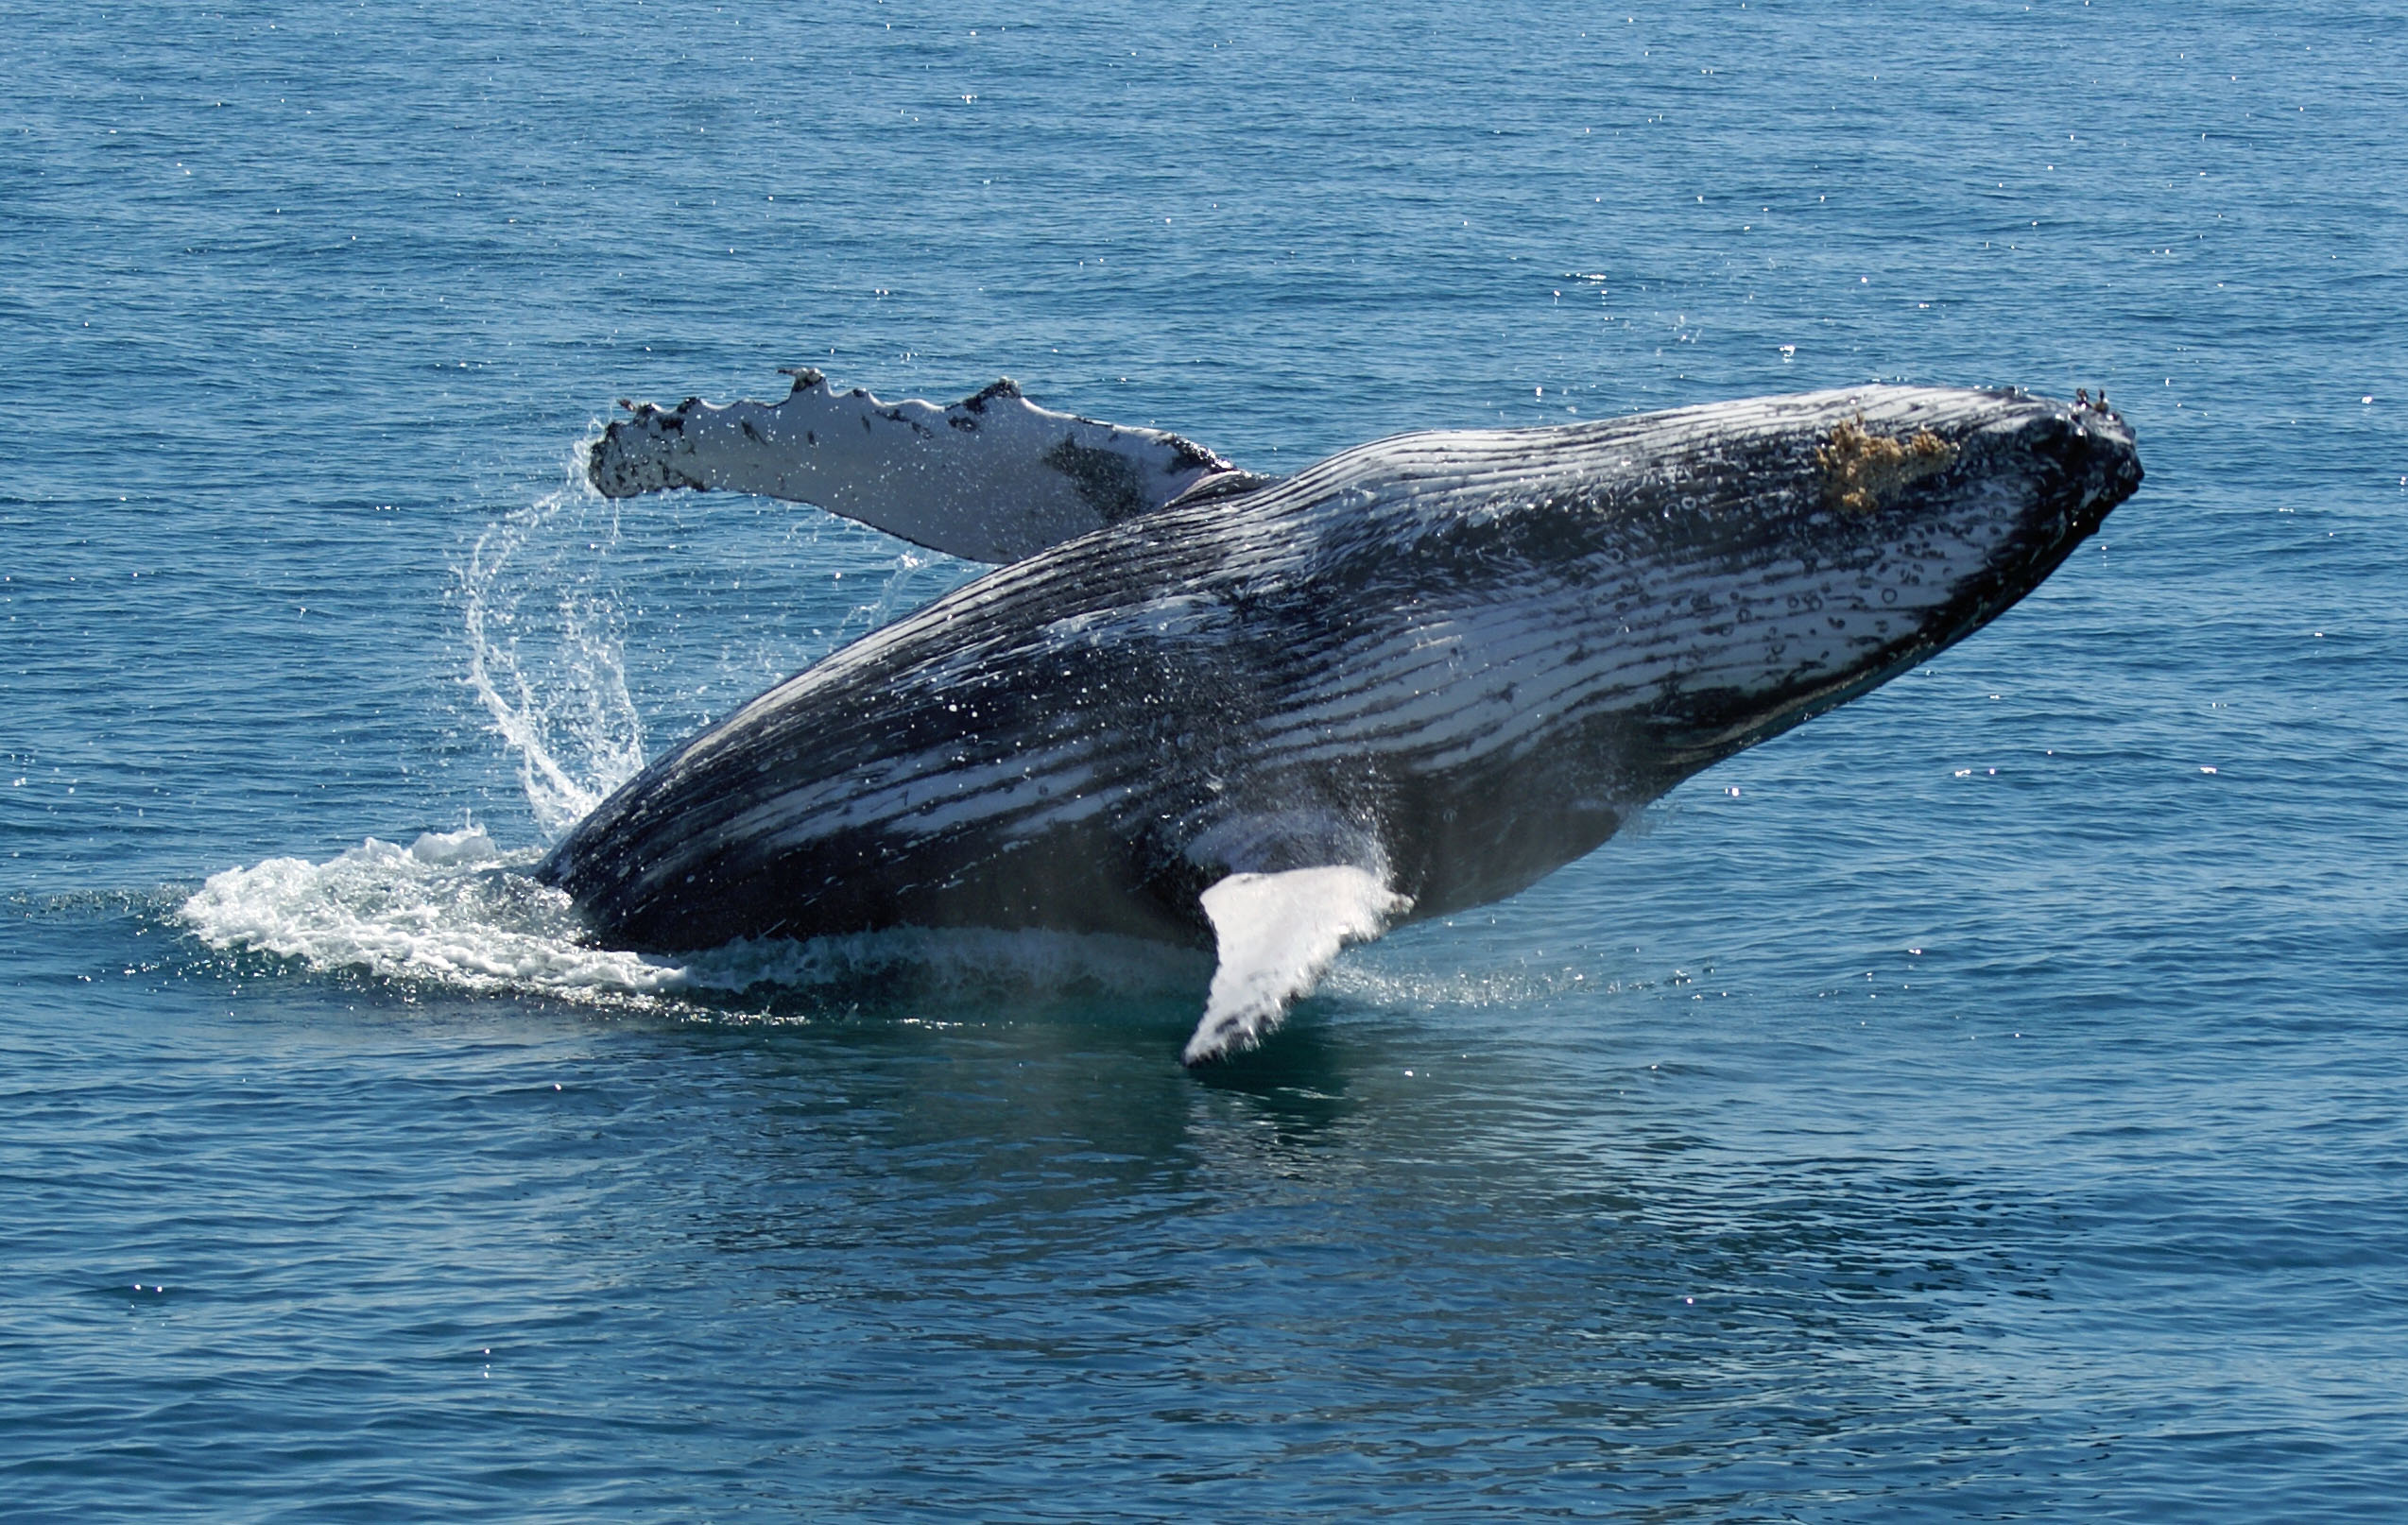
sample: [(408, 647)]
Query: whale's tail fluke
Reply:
[(992, 477)]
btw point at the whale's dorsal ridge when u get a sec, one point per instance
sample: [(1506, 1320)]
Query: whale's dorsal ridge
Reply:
[(1277, 935), (992, 477)]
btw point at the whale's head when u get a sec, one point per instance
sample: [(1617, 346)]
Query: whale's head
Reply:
[(1803, 550)]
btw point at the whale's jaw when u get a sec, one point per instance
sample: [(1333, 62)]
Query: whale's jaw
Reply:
[(1884, 578)]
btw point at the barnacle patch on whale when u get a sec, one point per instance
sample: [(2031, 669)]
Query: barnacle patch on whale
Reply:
[(1861, 468)]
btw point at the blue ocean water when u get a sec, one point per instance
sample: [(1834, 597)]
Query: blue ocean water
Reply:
[(1982, 1102)]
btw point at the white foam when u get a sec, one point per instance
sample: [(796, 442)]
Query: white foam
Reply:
[(1470, 989), (451, 910)]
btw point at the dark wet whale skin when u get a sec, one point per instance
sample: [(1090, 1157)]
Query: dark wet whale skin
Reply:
[(1458, 660)]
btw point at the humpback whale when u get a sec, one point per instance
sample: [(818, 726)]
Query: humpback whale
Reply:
[(1272, 717)]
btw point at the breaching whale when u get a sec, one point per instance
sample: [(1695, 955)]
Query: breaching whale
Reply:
[(1273, 717)]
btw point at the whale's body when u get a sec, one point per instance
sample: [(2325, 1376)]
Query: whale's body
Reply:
[(1414, 677)]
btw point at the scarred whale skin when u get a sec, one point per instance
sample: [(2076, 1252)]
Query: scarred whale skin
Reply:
[(1445, 662)]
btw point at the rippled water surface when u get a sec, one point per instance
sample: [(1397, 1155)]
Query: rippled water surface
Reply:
[(1983, 1103)]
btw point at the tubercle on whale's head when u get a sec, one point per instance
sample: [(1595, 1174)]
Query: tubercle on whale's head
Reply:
[(2066, 455), (1993, 496), (2062, 471), (1947, 479)]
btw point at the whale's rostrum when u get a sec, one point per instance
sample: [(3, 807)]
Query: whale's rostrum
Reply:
[(1413, 677)]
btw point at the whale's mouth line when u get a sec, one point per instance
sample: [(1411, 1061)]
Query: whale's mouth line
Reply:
[(1975, 607)]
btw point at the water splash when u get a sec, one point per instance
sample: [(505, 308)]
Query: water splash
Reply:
[(453, 910), (546, 649), (898, 586), (449, 909)]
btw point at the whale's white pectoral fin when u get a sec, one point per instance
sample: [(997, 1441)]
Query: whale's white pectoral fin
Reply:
[(1278, 936), (992, 477)]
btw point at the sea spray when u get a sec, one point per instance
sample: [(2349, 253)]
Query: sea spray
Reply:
[(546, 650), (548, 624), (547, 631)]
